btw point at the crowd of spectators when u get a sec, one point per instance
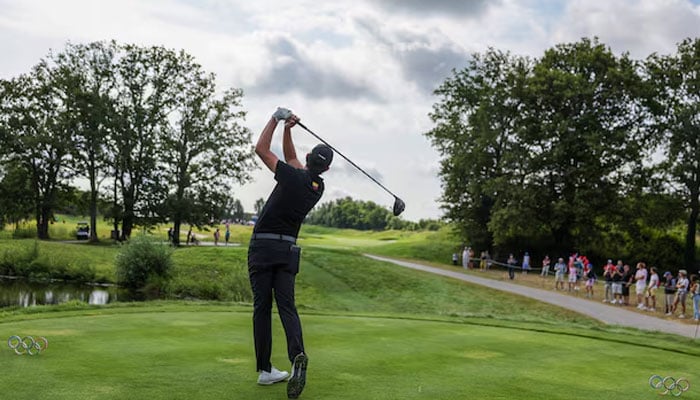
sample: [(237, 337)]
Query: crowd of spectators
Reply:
[(618, 281)]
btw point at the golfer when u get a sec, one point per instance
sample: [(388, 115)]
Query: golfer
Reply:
[(273, 256)]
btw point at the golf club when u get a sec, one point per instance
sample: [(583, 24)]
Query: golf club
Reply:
[(399, 205)]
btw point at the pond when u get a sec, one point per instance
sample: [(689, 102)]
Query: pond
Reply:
[(23, 293)]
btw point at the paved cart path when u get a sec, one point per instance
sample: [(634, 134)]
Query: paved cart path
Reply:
[(606, 313)]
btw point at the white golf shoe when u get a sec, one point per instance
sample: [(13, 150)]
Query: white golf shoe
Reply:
[(274, 376), (298, 379)]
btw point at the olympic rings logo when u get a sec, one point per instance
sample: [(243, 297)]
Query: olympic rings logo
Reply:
[(669, 385), (27, 345)]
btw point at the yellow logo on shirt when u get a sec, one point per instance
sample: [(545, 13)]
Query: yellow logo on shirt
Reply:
[(314, 185)]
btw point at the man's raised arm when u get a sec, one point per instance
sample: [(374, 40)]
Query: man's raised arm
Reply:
[(290, 153)]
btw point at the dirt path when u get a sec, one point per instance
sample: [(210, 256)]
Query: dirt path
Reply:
[(602, 312)]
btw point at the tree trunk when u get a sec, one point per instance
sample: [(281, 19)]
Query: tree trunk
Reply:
[(176, 232), (691, 230), (93, 199), (127, 225), (93, 210), (128, 216), (42, 223)]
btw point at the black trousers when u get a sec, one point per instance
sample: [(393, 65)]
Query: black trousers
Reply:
[(272, 269)]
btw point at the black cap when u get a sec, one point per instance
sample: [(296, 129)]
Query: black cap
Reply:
[(320, 157)]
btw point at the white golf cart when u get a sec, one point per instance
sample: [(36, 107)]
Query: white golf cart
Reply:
[(82, 231)]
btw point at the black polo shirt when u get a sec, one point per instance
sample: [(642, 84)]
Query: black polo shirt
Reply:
[(296, 193)]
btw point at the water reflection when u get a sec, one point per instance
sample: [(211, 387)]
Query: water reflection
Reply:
[(26, 294)]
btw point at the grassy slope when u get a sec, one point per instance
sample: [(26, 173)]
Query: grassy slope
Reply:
[(196, 351), (373, 331)]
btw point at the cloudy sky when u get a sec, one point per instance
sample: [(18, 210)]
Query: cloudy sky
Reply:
[(360, 73)]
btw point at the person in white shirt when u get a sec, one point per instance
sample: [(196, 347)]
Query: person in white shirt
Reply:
[(640, 277), (559, 272), (681, 292), (650, 299), (465, 257)]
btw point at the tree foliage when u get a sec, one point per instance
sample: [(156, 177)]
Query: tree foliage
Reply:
[(87, 86), (475, 131), (205, 149), (675, 100), (37, 137), (354, 214), (147, 120), (553, 153), (16, 195)]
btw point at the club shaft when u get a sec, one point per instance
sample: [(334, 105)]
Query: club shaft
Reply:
[(346, 159)]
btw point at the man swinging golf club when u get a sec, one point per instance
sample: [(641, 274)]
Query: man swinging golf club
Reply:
[(273, 256)]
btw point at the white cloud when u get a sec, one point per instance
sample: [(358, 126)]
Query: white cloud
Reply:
[(639, 27)]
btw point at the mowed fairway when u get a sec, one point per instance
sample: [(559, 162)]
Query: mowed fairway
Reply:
[(372, 330), (205, 352)]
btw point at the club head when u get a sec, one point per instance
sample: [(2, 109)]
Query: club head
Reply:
[(399, 206)]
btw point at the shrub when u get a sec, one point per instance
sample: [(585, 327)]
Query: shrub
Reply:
[(24, 233), (143, 264), (19, 259)]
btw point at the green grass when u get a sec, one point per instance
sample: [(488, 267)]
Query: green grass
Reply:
[(372, 330), (42, 259), (204, 351)]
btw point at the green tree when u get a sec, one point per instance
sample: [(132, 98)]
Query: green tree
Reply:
[(35, 136), (236, 211), (353, 214), (205, 150), (87, 86), (580, 129), (476, 126), (536, 150), (259, 204), (675, 82), (145, 98), (16, 196)]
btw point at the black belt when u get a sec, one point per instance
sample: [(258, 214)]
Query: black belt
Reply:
[(273, 236)]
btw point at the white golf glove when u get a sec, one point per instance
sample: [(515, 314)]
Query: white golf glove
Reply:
[(282, 113)]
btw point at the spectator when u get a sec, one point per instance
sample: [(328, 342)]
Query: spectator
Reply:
[(217, 233), (511, 265), (695, 291), (682, 285), (627, 277), (545, 265), (669, 292), (465, 257), (589, 274), (482, 263), (559, 271), (227, 235), (170, 235), (455, 259), (488, 260), (640, 279), (617, 286), (650, 299), (607, 275), (526, 263), (579, 264), (573, 275), (189, 235)]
